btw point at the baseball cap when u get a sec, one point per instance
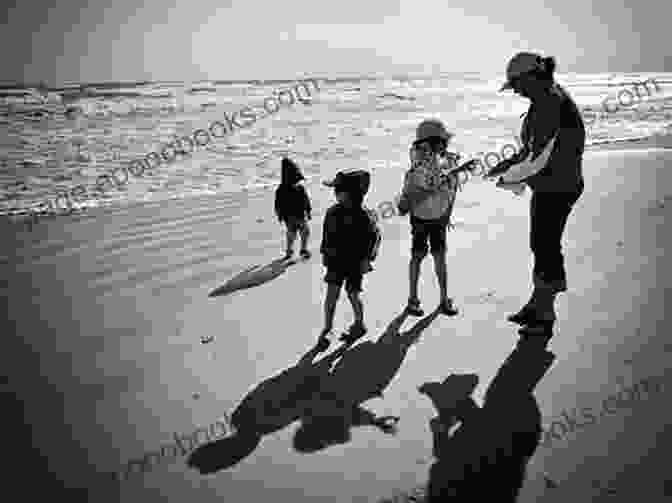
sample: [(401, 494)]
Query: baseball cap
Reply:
[(521, 63), (432, 128)]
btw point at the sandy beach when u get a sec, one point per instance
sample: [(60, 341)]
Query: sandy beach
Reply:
[(109, 311)]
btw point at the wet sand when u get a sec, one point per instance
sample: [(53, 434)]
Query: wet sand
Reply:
[(107, 313)]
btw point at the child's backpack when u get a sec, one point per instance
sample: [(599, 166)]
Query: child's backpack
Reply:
[(375, 233)]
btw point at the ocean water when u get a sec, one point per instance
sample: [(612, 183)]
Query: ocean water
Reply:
[(361, 122)]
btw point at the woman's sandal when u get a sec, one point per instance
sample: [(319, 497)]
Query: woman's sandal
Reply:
[(526, 315)]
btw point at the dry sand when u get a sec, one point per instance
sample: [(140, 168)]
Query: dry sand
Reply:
[(107, 313)]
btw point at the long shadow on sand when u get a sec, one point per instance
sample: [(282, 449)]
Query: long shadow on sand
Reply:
[(362, 374), (273, 405), (327, 401), (487, 454), (254, 276)]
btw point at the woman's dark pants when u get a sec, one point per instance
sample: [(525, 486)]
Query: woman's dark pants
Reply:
[(548, 215)]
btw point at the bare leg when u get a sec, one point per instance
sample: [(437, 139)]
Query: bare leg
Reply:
[(291, 237), (333, 292), (305, 234), (440, 269), (414, 275), (357, 307)]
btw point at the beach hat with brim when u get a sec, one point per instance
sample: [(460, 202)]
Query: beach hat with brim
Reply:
[(337, 182), (351, 181), (432, 128), (520, 64)]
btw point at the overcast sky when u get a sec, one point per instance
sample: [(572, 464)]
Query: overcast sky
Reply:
[(185, 40)]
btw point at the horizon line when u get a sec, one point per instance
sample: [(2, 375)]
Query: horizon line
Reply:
[(6, 84)]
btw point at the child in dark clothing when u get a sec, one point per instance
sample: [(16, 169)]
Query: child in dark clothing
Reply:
[(348, 244), (292, 206)]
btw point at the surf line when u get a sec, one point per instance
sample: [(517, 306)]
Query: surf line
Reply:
[(184, 444), (168, 153)]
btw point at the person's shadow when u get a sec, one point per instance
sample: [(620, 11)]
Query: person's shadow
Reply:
[(273, 405), (487, 454), (254, 276), (310, 388), (362, 373)]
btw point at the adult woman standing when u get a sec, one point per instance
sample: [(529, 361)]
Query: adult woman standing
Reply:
[(556, 187)]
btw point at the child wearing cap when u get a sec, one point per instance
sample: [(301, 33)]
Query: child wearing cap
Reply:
[(429, 195), (292, 206), (347, 245)]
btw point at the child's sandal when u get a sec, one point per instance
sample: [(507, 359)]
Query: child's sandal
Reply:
[(413, 308), (356, 332)]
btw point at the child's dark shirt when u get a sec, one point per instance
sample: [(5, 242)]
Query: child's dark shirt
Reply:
[(346, 237)]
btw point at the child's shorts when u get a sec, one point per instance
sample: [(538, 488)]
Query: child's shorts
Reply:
[(296, 224), (433, 231), (352, 278)]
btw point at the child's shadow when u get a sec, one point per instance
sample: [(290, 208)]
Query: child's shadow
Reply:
[(488, 453), (361, 374), (311, 390), (271, 406), (254, 276)]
